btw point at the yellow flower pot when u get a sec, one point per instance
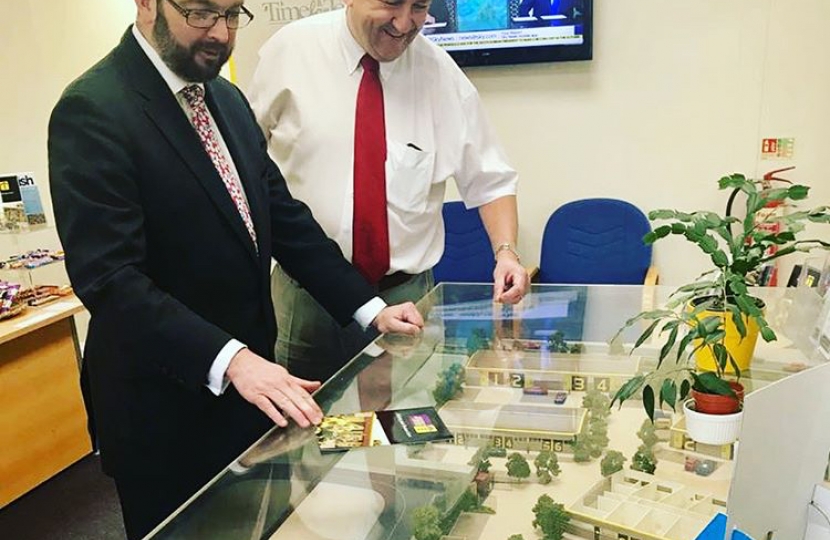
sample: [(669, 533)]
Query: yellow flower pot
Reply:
[(742, 350)]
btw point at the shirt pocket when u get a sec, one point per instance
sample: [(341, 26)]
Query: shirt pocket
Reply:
[(409, 173)]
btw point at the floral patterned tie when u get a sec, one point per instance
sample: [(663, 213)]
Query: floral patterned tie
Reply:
[(195, 97)]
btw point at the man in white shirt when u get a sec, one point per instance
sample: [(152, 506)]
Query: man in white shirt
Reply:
[(305, 95), (170, 211)]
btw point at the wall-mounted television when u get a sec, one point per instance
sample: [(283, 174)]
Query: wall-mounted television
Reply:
[(494, 32)]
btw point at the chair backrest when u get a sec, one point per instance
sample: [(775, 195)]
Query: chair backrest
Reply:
[(468, 255), (595, 241)]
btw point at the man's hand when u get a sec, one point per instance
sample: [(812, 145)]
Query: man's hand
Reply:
[(510, 279), (276, 392), (399, 319)]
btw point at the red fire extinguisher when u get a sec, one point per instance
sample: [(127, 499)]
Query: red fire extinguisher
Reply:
[(762, 222), (769, 276)]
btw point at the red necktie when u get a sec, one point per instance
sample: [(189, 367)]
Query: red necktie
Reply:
[(370, 229), (195, 97)]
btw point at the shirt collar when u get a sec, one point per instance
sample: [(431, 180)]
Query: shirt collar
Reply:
[(175, 82), (353, 51)]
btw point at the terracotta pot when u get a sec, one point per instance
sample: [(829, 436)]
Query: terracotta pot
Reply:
[(717, 404)]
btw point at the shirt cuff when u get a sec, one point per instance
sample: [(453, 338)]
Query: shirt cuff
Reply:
[(217, 382), (366, 313)]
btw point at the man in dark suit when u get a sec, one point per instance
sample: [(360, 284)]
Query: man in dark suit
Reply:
[(170, 212)]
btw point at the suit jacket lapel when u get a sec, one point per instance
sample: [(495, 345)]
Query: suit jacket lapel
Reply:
[(163, 109)]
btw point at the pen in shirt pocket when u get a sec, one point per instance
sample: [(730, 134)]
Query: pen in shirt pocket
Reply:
[(413, 145)]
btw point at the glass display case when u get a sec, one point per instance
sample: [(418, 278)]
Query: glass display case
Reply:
[(536, 377)]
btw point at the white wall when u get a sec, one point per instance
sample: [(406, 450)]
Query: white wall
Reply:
[(43, 48), (678, 94)]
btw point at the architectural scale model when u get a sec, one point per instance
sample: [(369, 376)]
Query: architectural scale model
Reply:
[(504, 403)]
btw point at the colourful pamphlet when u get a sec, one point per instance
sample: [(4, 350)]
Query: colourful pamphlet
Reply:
[(380, 428)]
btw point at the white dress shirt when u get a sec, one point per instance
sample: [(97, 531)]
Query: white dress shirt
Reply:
[(304, 95), (216, 381)]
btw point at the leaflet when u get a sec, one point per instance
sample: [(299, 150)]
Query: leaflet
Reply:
[(342, 432)]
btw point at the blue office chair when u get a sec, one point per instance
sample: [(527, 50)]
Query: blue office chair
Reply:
[(596, 241), (468, 256)]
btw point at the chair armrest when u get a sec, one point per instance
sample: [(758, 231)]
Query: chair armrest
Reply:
[(533, 273), (652, 276), (650, 281)]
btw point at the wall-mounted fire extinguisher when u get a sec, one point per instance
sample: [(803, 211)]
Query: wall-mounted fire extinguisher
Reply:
[(764, 222)]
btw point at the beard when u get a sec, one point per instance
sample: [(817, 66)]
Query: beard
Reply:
[(182, 60)]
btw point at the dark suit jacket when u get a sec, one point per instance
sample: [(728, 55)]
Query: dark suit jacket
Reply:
[(161, 259)]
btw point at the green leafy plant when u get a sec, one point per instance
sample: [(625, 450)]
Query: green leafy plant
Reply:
[(739, 249)]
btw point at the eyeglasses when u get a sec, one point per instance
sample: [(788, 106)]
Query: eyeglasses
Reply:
[(207, 18)]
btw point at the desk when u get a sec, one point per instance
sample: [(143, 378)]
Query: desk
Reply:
[(43, 423), (284, 488)]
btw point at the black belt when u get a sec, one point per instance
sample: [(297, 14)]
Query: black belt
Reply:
[(393, 280)]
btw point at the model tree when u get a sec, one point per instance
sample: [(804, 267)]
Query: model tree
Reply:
[(582, 450), (648, 434), (611, 463), (480, 453), (557, 344), (492, 451), (644, 459), (551, 518), (478, 340), (468, 502), (440, 502), (593, 439), (426, 523), (449, 384), (516, 537), (597, 403), (481, 459), (517, 466), (547, 466), (597, 436)]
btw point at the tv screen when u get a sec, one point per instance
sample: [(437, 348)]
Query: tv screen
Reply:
[(492, 32)]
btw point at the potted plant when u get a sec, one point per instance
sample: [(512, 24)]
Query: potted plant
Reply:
[(714, 319)]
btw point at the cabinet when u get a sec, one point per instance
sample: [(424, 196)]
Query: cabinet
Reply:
[(43, 423)]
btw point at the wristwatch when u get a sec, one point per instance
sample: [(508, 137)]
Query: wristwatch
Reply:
[(506, 247)]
